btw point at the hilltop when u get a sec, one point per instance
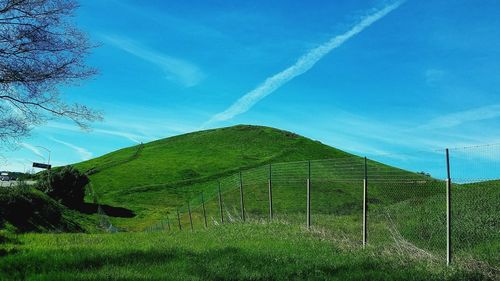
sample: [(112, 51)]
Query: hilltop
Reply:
[(153, 178), (201, 154)]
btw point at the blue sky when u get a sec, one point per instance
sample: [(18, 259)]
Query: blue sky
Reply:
[(421, 75)]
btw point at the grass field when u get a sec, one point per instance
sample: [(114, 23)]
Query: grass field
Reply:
[(406, 217), (403, 206), (410, 215), (253, 251)]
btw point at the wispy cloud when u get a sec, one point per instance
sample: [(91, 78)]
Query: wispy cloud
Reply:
[(302, 65), (3, 160), (176, 69), (136, 138), (458, 118), (84, 154), (434, 76), (32, 148), (17, 164), (132, 137)]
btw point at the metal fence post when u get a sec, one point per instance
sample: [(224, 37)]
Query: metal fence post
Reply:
[(448, 210), (204, 211), (242, 204), (190, 217), (220, 206), (365, 204), (179, 219), (309, 194), (168, 223), (270, 193)]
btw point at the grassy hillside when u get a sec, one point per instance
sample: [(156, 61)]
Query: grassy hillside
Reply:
[(153, 178), (230, 252), (198, 155), (406, 217), (404, 208)]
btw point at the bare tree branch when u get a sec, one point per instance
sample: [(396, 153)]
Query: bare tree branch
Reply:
[(40, 51)]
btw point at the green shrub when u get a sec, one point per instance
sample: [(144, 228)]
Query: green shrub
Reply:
[(66, 185), (29, 210)]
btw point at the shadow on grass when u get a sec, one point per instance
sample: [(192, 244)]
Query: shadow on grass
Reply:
[(227, 263), (118, 212)]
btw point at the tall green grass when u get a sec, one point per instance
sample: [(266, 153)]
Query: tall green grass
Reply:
[(230, 252), (409, 214)]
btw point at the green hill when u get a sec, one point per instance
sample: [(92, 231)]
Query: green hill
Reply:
[(200, 155), (406, 213), (153, 178)]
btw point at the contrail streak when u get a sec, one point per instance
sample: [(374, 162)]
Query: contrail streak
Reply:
[(302, 65), (32, 148), (84, 154)]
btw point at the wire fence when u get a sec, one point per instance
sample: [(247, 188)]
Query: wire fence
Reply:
[(451, 213)]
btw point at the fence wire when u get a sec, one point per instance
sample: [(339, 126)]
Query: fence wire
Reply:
[(475, 207), (406, 207)]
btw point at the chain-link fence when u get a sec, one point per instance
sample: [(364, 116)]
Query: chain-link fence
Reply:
[(475, 205), (433, 206), (405, 211)]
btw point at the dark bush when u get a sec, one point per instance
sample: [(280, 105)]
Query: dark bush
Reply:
[(66, 185), (28, 210), (24, 209)]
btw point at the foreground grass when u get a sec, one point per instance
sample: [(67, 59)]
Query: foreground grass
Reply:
[(229, 252), (406, 212)]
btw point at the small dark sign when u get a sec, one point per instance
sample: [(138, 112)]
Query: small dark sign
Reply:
[(42, 166)]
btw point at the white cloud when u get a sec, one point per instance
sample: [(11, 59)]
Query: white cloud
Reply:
[(303, 64), (458, 118), (84, 154), (32, 148), (132, 137), (176, 69), (16, 164), (127, 135)]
